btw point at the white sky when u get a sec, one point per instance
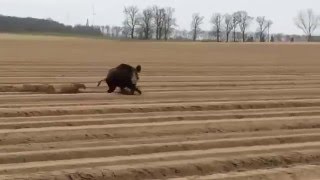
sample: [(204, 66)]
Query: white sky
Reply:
[(281, 12)]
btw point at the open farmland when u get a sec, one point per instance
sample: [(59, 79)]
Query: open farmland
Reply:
[(208, 111)]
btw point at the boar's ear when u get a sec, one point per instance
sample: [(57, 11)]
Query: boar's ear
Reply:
[(138, 68)]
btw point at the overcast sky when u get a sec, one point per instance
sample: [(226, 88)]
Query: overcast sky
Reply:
[(281, 12)]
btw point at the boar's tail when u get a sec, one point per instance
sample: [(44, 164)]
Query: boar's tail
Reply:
[(101, 82)]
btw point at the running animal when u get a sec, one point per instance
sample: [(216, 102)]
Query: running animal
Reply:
[(123, 76)]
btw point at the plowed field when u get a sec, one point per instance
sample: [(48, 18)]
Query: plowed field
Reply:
[(208, 111)]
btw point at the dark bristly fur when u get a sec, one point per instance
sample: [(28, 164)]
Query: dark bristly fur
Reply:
[(123, 76)]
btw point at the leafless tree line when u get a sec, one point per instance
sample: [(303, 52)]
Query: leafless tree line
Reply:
[(227, 23), (159, 23), (152, 22), (306, 20), (112, 31)]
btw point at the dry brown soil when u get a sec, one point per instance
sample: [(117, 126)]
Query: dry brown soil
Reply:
[(208, 111)]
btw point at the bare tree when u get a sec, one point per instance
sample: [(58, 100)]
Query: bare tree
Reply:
[(126, 32), (235, 23), (244, 22), (115, 31), (262, 26), (107, 29), (159, 18), (269, 24), (308, 22), (216, 20), (146, 22), (197, 20), (131, 21), (87, 23), (169, 22), (140, 32), (102, 29), (228, 25)]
